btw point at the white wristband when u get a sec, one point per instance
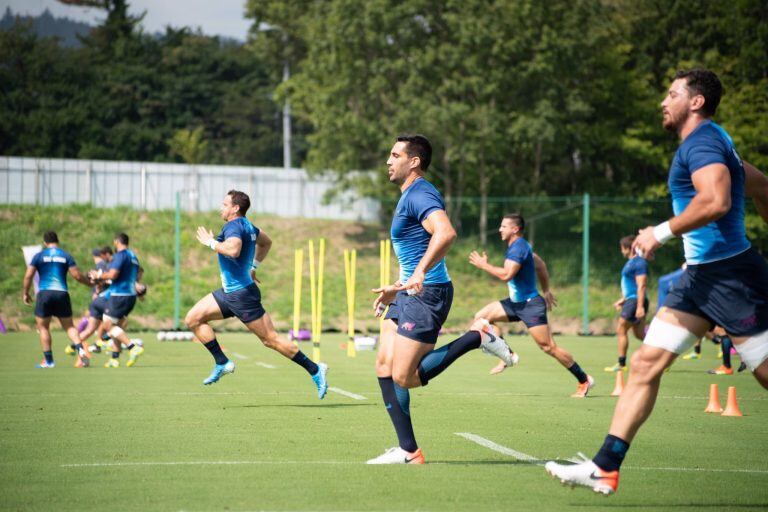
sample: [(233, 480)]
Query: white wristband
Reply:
[(255, 264), (212, 244), (663, 233)]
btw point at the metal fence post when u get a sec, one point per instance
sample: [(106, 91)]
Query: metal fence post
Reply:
[(585, 267), (177, 265)]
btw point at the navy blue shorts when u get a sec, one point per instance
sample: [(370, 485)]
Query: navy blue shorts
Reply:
[(53, 303), (97, 307), (244, 303), (531, 312), (119, 306), (420, 317), (732, 293), (628, 310)]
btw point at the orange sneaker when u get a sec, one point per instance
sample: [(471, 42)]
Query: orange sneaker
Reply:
[(721, 370), (585, 474), (583, 389)]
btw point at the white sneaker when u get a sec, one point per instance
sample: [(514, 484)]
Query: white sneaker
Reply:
[(397, 455), (585, 474), (503, 366), (496, 346)]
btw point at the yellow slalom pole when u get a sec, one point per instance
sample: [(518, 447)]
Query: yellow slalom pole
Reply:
[(320, 276), (382, 281), (388, 263), (350, 258), (312, 293), (298, 262)]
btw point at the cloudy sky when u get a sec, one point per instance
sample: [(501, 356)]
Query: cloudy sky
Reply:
[(219, 17)]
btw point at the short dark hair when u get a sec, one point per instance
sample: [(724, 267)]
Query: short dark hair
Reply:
[(417, 146), (106, 250), (705, 83), (50, 237), (627, 241), (517, 219), (241, 199), (122, 238)]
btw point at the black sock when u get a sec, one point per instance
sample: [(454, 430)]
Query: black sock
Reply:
[(73, 346), (716, 339), (78, 346), (48, 355), (697, 348), (623, 361), (726, 345), (435, 362), (115, 355), (397, 401), (305, 362), (577, 372), (130, 346), (215, 350), (611, 454)]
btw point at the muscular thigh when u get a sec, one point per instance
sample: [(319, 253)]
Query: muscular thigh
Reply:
[(262, 327), (493, 312), (386, 344), (406, 354), (206, 309)]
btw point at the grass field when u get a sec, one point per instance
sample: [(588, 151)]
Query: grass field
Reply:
[(152, 437)]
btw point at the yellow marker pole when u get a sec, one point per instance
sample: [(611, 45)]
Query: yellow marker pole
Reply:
[(320, 276), (312, 294), (350, 262), (388, 264), (298, 262), (382, 282)]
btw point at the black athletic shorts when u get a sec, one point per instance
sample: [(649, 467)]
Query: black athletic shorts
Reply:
[(629, 307), (119, 306), (245, 303), (531, 312), (420, 317), (53, 303)]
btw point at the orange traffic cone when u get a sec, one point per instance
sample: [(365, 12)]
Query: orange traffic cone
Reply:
[(714, 400), (619, 387), (731, 407)]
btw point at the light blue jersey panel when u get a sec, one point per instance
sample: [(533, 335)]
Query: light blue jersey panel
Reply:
[(236, 272)]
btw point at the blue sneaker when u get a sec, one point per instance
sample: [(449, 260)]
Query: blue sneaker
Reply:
[(44, 364), (218, 371), (320, 380)]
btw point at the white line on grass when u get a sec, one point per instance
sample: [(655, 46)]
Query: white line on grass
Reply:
[(265, 365), (347, 393), (239, 356), (522, 456), (204, 463)]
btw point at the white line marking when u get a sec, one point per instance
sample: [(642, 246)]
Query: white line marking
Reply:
[(498, 448), (239, 356), (205, 463), (265, 365), (522, 456), (347, 393)]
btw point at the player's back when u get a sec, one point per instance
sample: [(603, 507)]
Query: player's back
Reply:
[(236, 272), (127, 264), (52, 264)]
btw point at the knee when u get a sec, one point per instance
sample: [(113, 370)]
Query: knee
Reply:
[(192, 320), (548, 348), (644, 368), (401, 379), (271, 341), (383, 369)]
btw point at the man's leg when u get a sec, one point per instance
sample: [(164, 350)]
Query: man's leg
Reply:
[(197, 318), (74, 337), (44, 328), (639, 329), (622, 339), (93, 325), (753, 351)]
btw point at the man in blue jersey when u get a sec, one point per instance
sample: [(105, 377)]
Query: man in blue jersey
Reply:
[(53, 264), (123, 272), (98, 301), (524, 304), (725, 282), (241, 247), (419, 302), (633, 304)]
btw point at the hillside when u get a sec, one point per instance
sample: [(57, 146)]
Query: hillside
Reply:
[(81, 227)]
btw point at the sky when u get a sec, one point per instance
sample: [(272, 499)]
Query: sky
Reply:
[(219, 17)]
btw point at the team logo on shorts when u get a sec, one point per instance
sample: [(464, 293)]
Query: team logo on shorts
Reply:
[(408, 326), (749, 321)]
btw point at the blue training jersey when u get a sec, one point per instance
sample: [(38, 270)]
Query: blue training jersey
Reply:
[(409, 238), (236, 272), (636, 266), (523, 286), (127, 264), (725, 237), (667, 283), (53, 263)]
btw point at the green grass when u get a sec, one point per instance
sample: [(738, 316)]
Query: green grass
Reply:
[(298, 453)]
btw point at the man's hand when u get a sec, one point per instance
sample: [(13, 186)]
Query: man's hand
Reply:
[(550, 300), (477, 260), (645, 244), (26, 298), (205, 236), (415, 284), (617, 305), (386, 296), (640, 311)]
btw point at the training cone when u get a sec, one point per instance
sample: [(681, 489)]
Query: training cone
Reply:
[(619, 387), (731, 407), (714, 400)]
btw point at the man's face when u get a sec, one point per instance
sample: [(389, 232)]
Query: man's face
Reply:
[(507, 229), (625, 250), (676, 107), (227, 209), (399, 164)]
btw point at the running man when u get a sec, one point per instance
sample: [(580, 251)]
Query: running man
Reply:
[(98, 301), (123, 272), (725, 283), (241, 247), (420, 300), (633, 303), (53, 263), (524, 303)]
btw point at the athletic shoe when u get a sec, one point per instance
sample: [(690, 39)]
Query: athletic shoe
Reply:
[(719, 354), (615, 368), (742, 367), (721, 370), (321, 380), (70, 351), (585, 474), (85, 358), (692, 355), (44, 364), (503, 366), (583, 388), (135, 352), (219, 371), (112, 363), (397, 455), (496, 346)]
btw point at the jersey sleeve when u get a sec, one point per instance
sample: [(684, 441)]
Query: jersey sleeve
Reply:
[(231, 230), (517, 253), (35, 261), (70, 261), (117, 261), (428, 201), (704, 151), (641, 267)]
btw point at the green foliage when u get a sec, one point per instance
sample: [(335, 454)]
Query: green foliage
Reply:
[(189, 145)]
